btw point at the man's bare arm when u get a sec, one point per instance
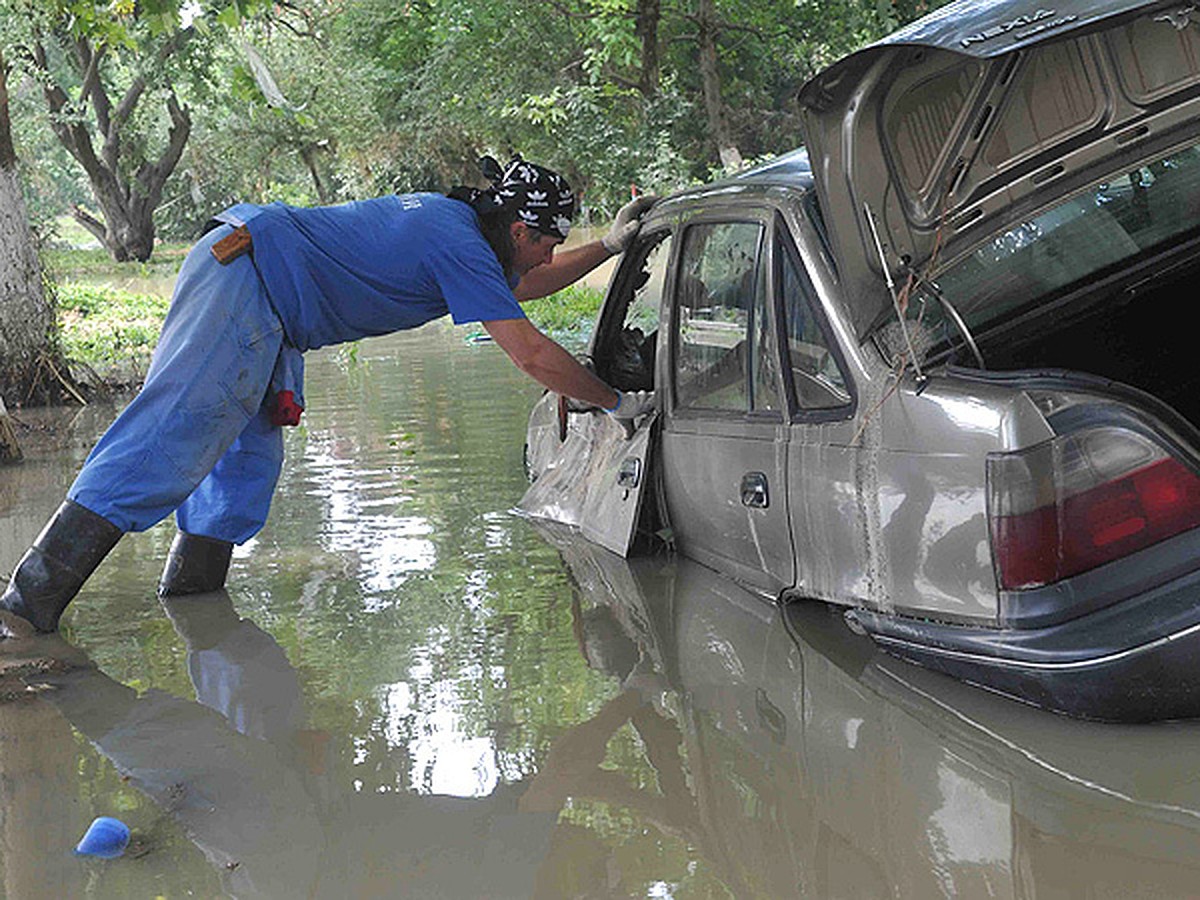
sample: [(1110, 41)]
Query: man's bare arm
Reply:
[(549, 364), (567, 267)]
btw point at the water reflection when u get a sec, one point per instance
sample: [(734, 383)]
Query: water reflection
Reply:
[(253, 789), (777, 751), (825, 769), (511, 715)]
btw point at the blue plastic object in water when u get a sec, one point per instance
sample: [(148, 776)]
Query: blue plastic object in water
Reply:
[(106, 837)]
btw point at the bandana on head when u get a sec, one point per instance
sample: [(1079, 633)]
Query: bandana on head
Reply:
[(541, 198)]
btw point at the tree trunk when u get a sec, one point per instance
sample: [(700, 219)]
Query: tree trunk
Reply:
[(26, 319), (710, 78), (649, 13), (126, 203), (310, 153), (127, 229), (10, 447), (123, 236)]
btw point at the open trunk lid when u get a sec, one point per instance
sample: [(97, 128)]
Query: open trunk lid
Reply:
[(981, 114)]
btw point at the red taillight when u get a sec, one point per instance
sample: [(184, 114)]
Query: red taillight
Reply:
[(1082, 500)]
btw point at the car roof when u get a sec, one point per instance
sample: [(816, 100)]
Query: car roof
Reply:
[(790, 170)]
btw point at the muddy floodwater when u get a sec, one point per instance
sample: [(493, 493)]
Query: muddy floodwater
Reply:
[(407, 691)]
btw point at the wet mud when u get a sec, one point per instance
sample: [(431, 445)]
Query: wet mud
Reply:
[(409, 691)]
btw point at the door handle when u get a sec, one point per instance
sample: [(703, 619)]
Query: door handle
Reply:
[(754, 490), (629, 475)]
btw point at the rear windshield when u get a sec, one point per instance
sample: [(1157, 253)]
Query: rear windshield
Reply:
[(1110, 223)]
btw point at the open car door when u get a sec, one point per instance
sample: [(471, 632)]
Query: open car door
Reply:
[(596, 480), (589, 473)]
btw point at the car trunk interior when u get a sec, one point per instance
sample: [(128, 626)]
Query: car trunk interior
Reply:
[(1144, 338)]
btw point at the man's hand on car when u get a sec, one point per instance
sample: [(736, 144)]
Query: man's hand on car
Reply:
[(625, 226), (631, 406)]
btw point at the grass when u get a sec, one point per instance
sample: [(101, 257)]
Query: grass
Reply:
[(92, 263), (111, 331), (567, 316), (108, 332)]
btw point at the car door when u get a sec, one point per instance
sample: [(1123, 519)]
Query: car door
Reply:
[(588, 472), (826, 468), (724, 435)]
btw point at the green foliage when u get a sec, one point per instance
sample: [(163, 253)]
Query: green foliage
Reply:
[(567, 316), (110, 330), (309, 102), (573, 84), (51, 179)]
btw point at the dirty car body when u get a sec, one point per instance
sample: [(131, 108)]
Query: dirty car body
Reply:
[(936, 367)]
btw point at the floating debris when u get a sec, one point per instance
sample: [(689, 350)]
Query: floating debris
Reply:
[(106, 838)]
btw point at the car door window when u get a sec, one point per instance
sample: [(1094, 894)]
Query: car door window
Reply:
[(764, 358), (627, 360), (643, 308), (818, 380), (722, 320)]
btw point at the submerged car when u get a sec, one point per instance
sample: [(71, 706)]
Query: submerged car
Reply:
[(935, 367)]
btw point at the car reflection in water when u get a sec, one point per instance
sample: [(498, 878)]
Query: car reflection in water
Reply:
[(821, 767), (791, 756)]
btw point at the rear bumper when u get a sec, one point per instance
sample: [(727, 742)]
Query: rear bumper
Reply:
[(1137, 660)]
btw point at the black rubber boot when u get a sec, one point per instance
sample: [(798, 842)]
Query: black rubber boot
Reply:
[(53, 570), (195, 565)]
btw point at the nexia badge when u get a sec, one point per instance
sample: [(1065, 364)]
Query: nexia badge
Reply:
[(1035, 18)]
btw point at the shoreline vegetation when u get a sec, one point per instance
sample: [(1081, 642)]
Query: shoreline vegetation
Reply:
[(109, 314)]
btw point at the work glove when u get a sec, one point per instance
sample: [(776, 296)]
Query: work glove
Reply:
[(631, 406), (625, 226)]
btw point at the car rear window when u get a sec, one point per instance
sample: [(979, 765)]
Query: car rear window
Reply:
[(1124, 216)]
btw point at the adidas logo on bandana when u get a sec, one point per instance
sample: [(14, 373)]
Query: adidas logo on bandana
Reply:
[(541, 198)]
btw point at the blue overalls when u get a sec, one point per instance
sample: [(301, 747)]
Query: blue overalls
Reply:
[(198, 438)]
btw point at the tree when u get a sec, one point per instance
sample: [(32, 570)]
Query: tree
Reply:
[(708, 30), (610, 91), (322, 102), (300, 107), (25, 316), (98, 76)]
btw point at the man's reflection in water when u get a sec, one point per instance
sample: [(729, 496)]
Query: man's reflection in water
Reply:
[(225, 768), (237, 668), (249, 784)]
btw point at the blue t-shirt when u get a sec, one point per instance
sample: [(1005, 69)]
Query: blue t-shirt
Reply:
[(340, 273)]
